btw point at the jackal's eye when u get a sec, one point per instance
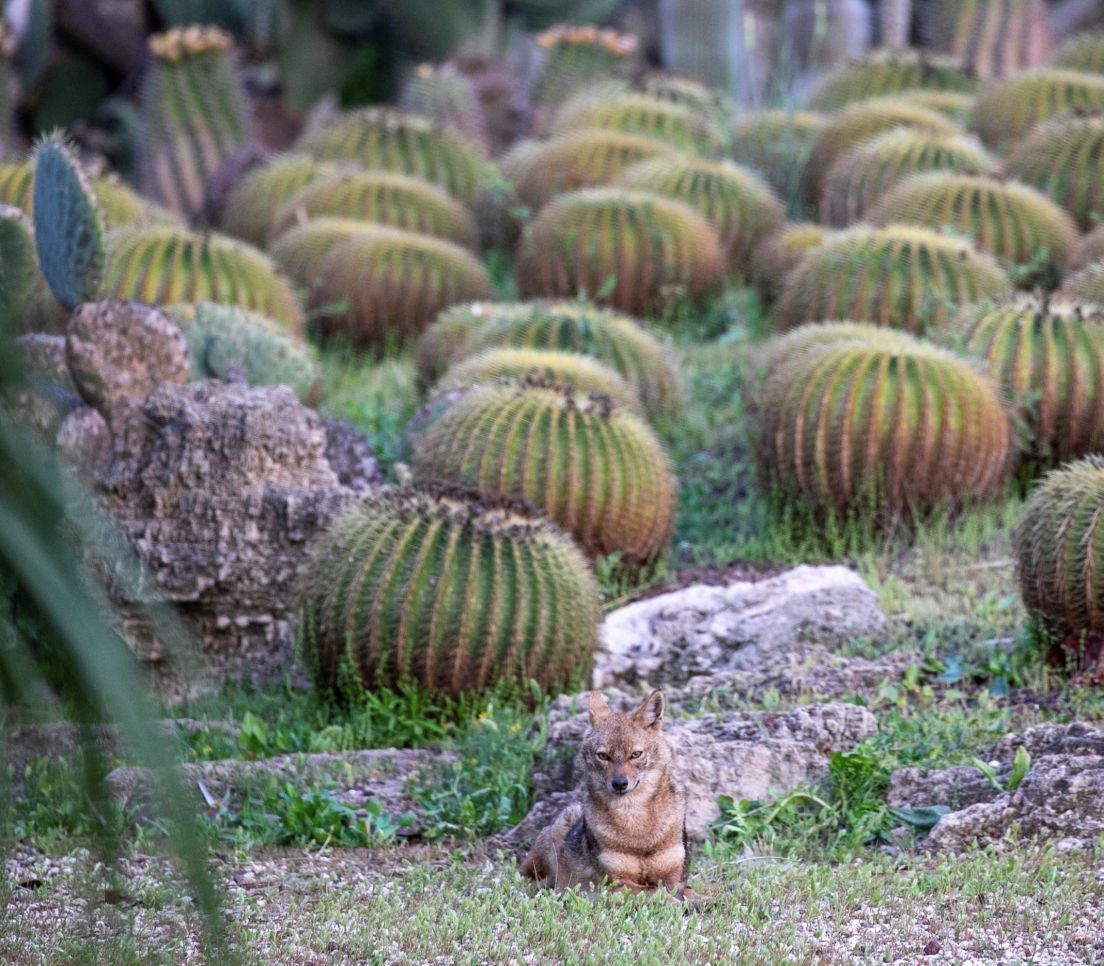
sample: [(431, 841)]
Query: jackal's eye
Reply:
[(636, 754), (602, 756)]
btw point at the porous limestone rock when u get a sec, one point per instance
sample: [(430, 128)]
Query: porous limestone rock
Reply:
[(351, 457)]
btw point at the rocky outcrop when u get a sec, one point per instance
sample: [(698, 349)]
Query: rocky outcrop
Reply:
[(747, 755), (1060, 796), (351, 457), (220, 488), (48, 394), (744, 626)]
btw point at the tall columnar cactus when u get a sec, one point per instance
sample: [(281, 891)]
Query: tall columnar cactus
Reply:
[(993, 38), (781, 252), (858, 180), (380, 137), (1083, 51), (1006, 112), (580, 159), (876, 419), (261, 194), (161, 266), (18, 269), (578, 57), (69, 229), (447, 99), (224, 340), (1012, 221), (633, 113), (377, 284), (1061, 157), (452, 589), (1059, 543), (384, 198), (1047, 355), (617, 340), (734, 200), (850, 127), (596, 470), (889, 72), (195, 114), (903, 277), (776, 144), (629, 249), (581, 373)]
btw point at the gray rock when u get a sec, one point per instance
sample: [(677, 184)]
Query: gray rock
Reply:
[(351, 457), (48, 394), (701, 630), (1060, 796), (747, 755), (120, 352), (84, 441), (220, 488)]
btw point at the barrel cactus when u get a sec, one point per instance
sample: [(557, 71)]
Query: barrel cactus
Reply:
[(452, 589), (1047, 355), (161, 266), (887, 72), (391, 140), (902, 276), (18, 269), (1083, 51), (261, 194), (224, 340), (776, 144), (448, 100), (17, 185), (879, 420), (195, 114), (581, 373), (580, 159), (850, 127), (953, 105), (631, 250), (734, 200), (1061, 157), (993, 38), (781, 252), (858, 180), (301, 251), (709, 103), (374, 285), (69, 229), (595, 469), (1006, 112), (1012, 221), (633, 113), (448, 338), (381, 197), (576, 57)]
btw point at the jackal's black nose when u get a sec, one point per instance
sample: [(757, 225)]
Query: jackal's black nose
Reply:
[(619, 784)]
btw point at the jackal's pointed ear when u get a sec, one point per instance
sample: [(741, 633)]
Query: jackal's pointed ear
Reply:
[(650, 713), (597, 707)]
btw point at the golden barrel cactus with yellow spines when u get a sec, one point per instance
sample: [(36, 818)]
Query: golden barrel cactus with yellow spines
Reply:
[(1058, 542), (593, 468), (876, 419), (579, 159), (903, 277), (376, 285), (165, 265), (858, 180), (616, 340), (390, 140), (301, 250), (452, 589), (1083, 51), (633, 113), (709, 103), (776, 144), (1047, 355), (381, 197), (1006, 112), (885, 72), (953, 105), (992, 38), (1016, 223), (850, 127), (781, 252), (1062, 158), (734, 200), (582, 373), (260, 195), (631, 250)]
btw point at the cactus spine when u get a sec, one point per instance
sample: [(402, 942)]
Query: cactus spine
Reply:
[(452, 589), (195, 114)]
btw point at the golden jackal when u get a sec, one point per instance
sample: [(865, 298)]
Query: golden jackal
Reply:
[(629, 829)]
